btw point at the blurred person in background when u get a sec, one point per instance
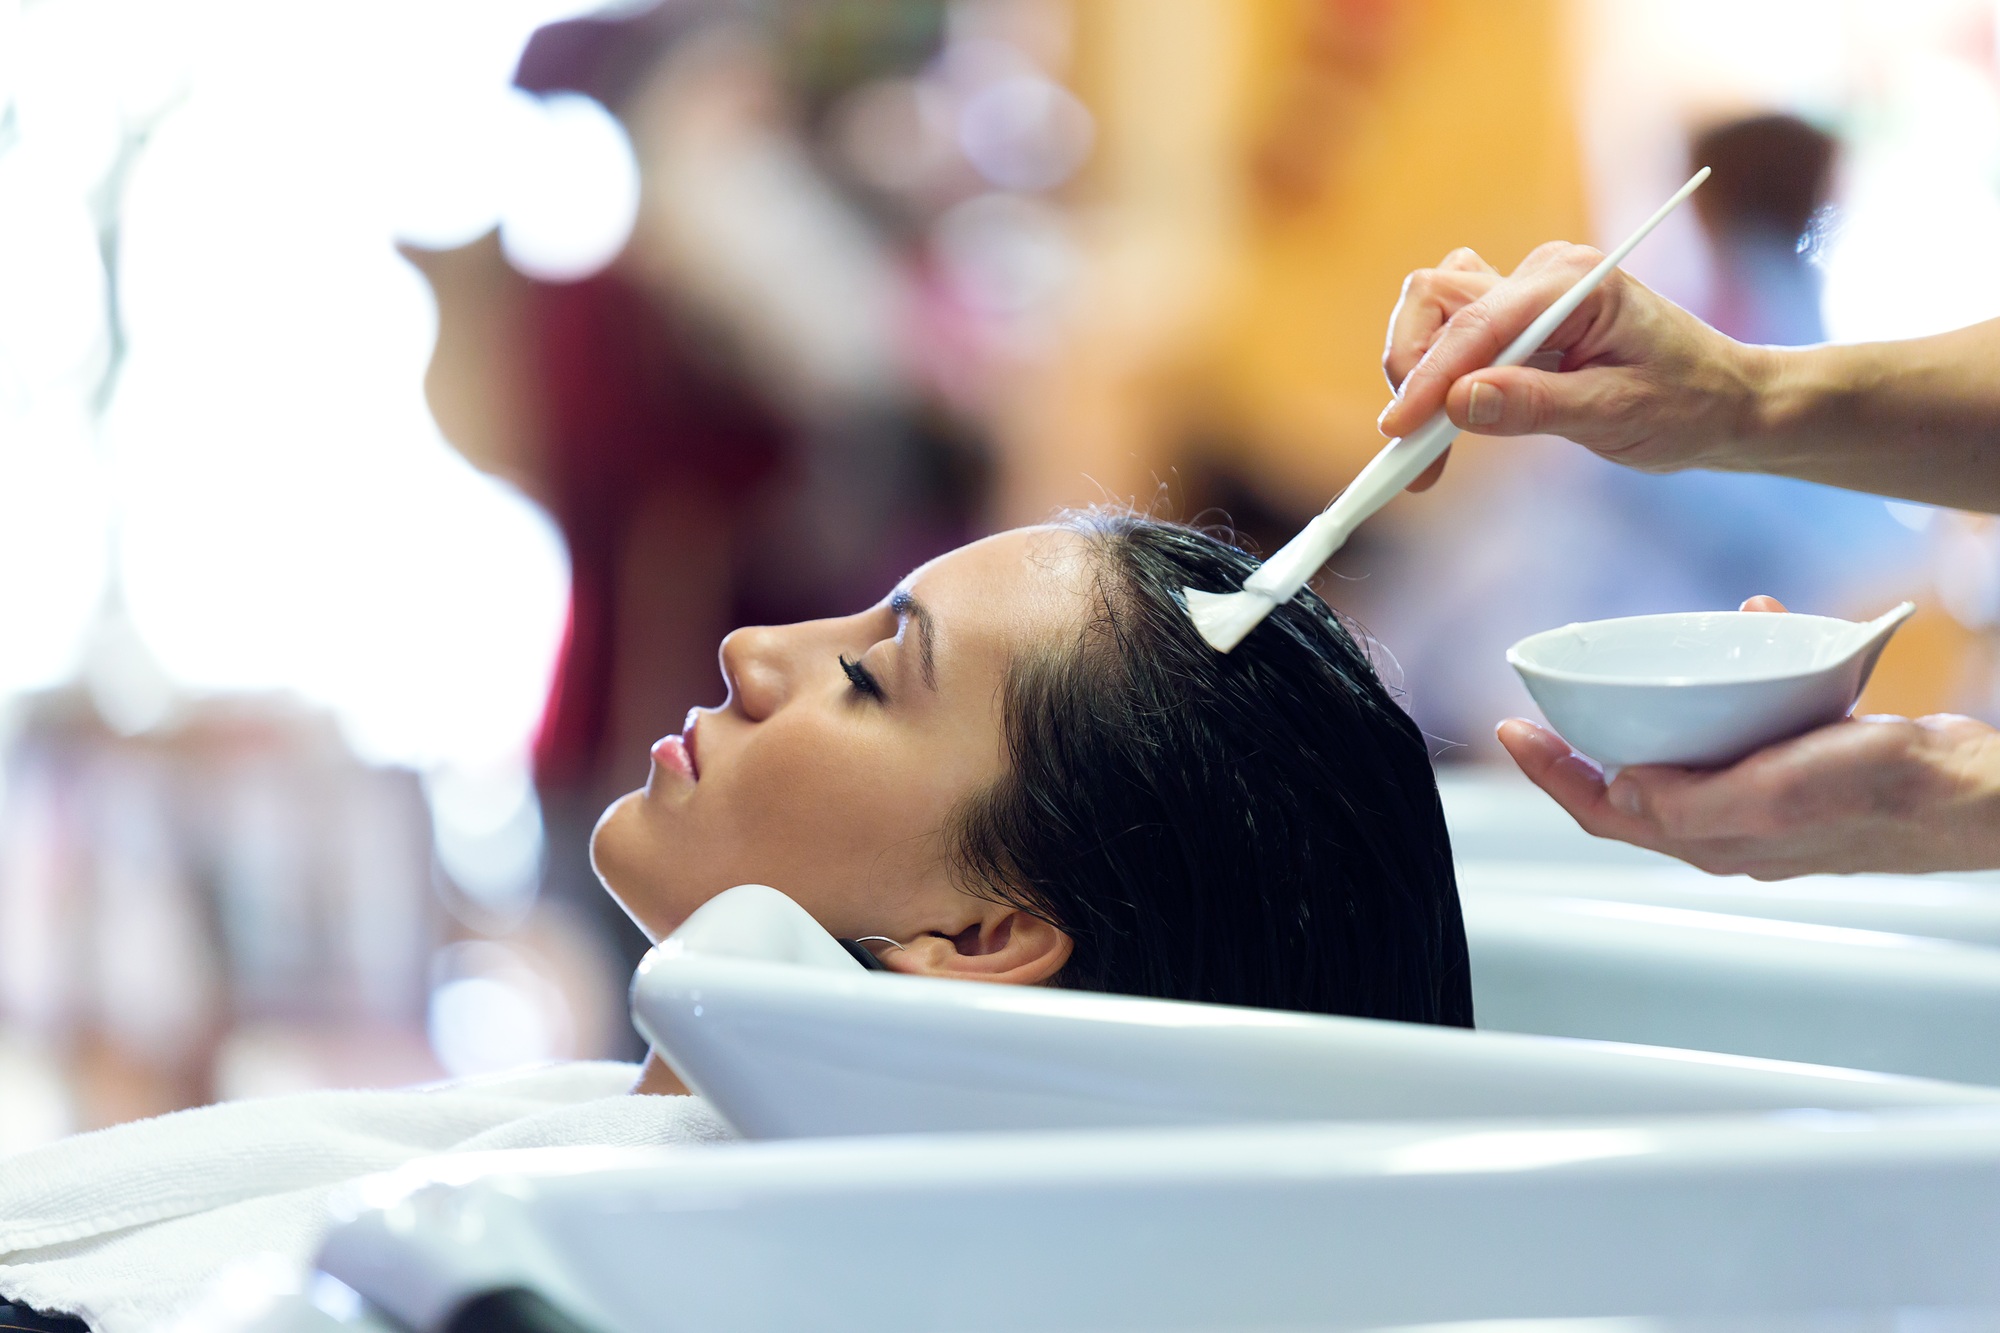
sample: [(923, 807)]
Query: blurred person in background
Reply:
[(1773, 176), (721, 422), (1646, 384), (1715, 534)]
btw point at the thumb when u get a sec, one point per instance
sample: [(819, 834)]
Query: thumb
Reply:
[(1519, 400)]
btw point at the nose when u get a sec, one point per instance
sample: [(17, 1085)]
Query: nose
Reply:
[(754, 667)]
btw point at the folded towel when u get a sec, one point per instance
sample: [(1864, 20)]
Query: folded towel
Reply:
[(127, 1226)]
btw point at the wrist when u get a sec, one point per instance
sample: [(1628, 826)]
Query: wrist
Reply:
[(1782, 392), (1802, 405)]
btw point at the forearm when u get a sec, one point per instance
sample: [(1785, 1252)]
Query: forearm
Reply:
[(1918, 419)]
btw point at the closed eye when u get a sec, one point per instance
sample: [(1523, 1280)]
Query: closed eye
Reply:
[(862, 679)]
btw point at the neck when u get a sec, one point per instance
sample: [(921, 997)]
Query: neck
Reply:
[(657, 1079)]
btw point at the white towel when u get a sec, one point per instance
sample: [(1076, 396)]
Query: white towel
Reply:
[(127, 1226)]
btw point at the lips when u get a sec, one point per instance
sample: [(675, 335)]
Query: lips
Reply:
[(676, 754), (670, 753)]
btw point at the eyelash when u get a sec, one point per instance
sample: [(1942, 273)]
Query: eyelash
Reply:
[(861, 678)]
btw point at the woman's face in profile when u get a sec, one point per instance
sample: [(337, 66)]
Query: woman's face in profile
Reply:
[(843, 748)]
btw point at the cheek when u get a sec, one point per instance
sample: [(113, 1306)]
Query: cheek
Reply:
[(838, 812), (834, 807)]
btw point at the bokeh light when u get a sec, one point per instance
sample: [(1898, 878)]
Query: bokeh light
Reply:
[(53, 327), (53, 551), (487, 824), (284, 513), (1025, 132), (491, 1011), (571, 207)]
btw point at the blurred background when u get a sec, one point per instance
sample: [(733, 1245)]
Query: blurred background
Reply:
[(400, 398)]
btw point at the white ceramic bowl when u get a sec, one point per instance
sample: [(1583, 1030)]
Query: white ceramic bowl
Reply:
[(1697, 688)]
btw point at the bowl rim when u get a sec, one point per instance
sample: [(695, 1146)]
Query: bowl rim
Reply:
[(1525, 667)]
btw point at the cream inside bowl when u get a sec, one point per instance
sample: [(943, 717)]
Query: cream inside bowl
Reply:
[(1697, 688)]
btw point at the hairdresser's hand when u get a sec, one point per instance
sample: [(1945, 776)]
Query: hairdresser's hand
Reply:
[(1641, 382), (1868, 794)]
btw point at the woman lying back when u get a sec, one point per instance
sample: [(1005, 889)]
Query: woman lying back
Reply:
[(1023, 766)]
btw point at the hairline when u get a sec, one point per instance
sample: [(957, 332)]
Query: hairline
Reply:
[(1072, 654)]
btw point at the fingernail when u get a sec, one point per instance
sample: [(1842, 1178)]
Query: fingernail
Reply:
[(1484, 407), (1625, 796)]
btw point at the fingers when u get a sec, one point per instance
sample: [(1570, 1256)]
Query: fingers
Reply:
[(1630, 809), (1576, 784), (1676, 803), (1547, 760), (1518, 400), (1430, 297), (1470, 336), (1762, 603), (1847, 797), (1465, 259)]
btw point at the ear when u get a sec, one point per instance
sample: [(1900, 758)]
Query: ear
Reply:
[(1008, 946)]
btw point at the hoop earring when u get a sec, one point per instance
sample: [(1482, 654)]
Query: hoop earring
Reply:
[(859, 951)]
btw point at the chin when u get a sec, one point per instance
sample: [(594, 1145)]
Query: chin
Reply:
[(610, 833), (633, 866), (616, 853)]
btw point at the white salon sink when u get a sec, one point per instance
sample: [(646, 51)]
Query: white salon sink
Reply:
[(1787, 990), (1495, 814), (1962, 908), (1103, 1163), (1760, 1221), (810, 1045)]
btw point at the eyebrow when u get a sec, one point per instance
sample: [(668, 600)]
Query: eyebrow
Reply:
[(905, 605)]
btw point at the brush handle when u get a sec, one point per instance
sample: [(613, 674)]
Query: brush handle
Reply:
[(1399, 463), (1550, 320), (1403, 460)]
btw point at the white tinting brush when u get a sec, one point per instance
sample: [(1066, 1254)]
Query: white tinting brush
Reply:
[(1223, 618)]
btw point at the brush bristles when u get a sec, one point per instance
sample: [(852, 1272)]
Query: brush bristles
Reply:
[(1223, 618)]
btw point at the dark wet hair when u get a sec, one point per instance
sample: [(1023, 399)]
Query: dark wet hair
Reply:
[(1260, 827)]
